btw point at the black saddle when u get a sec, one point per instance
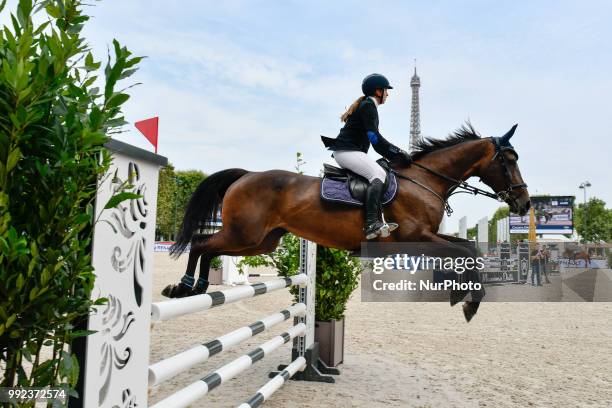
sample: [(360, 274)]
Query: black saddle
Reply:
[(356, 183)]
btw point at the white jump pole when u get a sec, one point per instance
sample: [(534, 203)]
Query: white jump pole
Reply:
[(178, 363), (198, 389), (274, 384), (170, 309)]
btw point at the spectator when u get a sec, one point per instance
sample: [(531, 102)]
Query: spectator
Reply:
[(545, 263), (536, 258)]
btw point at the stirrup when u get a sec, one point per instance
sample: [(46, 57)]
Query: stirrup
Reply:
[(388, 228), (373, 230), (384, 231)]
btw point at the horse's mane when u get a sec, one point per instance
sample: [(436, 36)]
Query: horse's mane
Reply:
[(427, 145)]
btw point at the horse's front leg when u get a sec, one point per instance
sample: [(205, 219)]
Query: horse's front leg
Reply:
[(457, 296), (449, 246)]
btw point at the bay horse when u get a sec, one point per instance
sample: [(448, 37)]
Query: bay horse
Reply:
[(575, 254), (258, 208)]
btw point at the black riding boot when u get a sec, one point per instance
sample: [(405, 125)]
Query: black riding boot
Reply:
[(373, 225)]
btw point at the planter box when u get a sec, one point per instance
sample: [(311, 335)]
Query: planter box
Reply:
[(330, 336), (215, 276)]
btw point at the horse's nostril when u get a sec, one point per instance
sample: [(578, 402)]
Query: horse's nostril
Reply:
[(528, 205)]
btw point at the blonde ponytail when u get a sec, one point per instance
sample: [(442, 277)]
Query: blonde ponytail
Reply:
[(351, 109)]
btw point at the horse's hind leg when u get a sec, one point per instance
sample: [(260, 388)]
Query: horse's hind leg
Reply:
[(185, 286), (223, 242), (202, 283), (268, 244)]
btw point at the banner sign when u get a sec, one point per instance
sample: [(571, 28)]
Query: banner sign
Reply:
[(553, 216)]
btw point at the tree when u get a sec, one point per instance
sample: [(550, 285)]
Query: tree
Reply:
[(500, 213), (53, 126), (174, 190), (166, 190), (186, 183), (472, 233), (596, 224)]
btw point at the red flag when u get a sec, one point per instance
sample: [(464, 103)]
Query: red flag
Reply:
[(148, 128)]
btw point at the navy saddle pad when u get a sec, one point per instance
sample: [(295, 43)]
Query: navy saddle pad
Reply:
[(342, 186)]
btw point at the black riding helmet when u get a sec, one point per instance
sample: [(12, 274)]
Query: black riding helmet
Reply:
[(373, 82)]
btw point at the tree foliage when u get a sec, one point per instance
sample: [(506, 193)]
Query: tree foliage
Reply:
[(593, 222), (54, 122), (500, 213), (165, 202), (174, 190)]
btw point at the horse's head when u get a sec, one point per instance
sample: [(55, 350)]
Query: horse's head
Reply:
[(502, 174)]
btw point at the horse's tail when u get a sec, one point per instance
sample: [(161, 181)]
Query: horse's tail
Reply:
[(203, 206)]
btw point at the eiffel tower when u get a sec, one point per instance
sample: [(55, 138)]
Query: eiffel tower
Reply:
[(415, 117), (415, 124)]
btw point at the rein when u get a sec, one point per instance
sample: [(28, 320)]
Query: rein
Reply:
[(466, 187)]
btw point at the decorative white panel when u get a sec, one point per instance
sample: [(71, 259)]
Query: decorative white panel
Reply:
[(118, 354)]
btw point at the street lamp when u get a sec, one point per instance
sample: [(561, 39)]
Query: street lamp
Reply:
[(584, 185)]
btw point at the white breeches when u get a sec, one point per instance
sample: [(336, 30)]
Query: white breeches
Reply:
[(360, 163)]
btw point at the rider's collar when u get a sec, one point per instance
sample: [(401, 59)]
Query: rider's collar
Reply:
[(375, 100)]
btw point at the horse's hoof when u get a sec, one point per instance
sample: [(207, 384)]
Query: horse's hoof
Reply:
[(177, 291), (470, 309)]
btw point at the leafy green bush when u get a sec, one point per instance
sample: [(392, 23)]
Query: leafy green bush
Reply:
[(53, 125), (337, 278), (216, 262), (337, 274)]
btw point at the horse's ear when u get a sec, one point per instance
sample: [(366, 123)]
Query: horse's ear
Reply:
[(506, 138)]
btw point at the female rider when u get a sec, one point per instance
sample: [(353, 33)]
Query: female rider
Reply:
[(352, 144)]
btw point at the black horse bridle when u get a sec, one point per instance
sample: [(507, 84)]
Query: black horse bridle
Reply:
[(504, 195), (500, 149)]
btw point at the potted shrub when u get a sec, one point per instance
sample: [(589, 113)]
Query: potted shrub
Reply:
[(337, 278), (215, 277)]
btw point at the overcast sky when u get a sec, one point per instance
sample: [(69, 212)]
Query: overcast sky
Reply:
[(250, 83)]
